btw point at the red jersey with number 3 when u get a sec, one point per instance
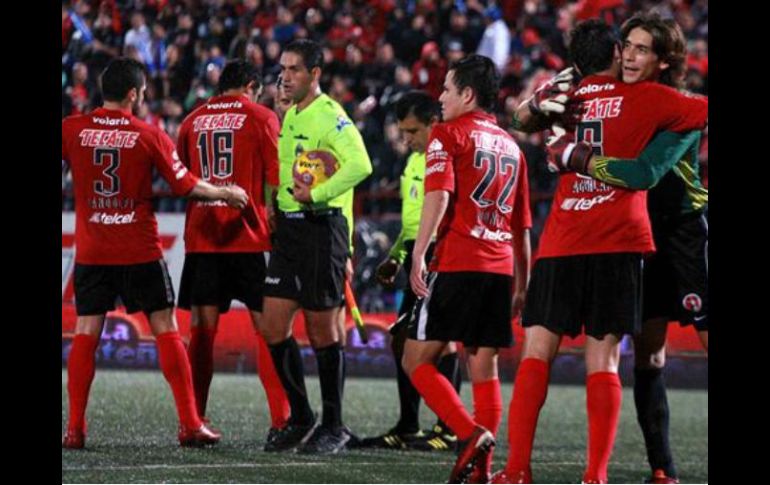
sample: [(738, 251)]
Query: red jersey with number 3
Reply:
[(485, 173), (230, 140), (590, 217), (112, 156)]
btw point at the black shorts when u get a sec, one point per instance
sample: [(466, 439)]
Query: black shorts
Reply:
[(146, 287), (218, 278), (308, 259), (676, 276), (601, 292), (469, 307)]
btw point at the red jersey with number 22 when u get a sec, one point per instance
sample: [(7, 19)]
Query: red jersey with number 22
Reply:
[(112, 156), (485, 173), (590, 217)]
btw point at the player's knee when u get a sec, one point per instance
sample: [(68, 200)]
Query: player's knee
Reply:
[(650, 360), (704, 338), (163, 321), (89, 325), (409, 364)]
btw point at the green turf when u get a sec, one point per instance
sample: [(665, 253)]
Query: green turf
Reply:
[(132, 437)]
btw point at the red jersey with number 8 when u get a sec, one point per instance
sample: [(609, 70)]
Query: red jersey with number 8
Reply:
[(230, 140), (485, 173), (618, 120), (112, 156)]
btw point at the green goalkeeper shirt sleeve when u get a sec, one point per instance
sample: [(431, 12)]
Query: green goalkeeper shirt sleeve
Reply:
[(664, 151)]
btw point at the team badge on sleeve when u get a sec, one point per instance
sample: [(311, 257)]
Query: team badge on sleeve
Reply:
[(342, 122)]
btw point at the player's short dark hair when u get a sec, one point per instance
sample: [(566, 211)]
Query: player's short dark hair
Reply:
[(480, 74), (419, 104), (310, 51), (238, 74), (592, 46), (668, 43), (121, 76)]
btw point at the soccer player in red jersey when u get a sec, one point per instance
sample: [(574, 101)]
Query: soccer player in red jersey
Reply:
[(112, 156), (477, 197), (587, 276), (229, 140), (676, 276)]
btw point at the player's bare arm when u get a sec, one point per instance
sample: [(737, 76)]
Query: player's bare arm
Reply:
[(233, 195), (522, 254), (433, 210)]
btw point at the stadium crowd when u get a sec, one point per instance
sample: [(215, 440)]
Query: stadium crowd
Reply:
[(374, 50)]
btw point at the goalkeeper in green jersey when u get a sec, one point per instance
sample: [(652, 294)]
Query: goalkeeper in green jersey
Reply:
[(310, 257), (416, 112)]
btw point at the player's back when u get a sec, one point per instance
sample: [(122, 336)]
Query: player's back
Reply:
[(111, 155), (618, 120), (485, 171), (230, 140)]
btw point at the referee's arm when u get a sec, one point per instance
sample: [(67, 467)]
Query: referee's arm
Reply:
[(354, 161)]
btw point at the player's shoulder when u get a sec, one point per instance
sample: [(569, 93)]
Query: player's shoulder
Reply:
[(260, 112), (151, 133), (594, 86), (652, 88)]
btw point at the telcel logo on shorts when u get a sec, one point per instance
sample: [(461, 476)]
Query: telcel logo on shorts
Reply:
[(481, 232), (112, 219), (272, 281), (573, 204)]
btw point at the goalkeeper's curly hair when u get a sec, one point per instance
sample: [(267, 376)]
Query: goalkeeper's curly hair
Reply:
[(668, 43)]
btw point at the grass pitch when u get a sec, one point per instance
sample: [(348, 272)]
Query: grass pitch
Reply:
[(132, 437)]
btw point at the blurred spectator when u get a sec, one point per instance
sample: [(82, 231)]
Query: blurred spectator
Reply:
[(496, 41), (203, 90), (79, 93), (429, 71), (140, 38)]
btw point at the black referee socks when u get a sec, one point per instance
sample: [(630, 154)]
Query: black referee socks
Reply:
[(288, 365), (331, 373)]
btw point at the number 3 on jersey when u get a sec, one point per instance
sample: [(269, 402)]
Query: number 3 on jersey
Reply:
[(493, 163), (221, 143)]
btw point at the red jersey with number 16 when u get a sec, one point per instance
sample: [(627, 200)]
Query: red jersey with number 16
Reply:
[(590, 217), (112, 156), (485, 172), (230, 140)]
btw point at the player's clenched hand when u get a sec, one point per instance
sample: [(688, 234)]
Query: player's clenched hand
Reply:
[(236, 197), (349, 269), (302, 192), (517, 303), (564, 154), (417, 276), (552, 97), (386, 272)]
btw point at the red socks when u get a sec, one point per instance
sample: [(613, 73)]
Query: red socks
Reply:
[(276, 395), (176, 370), (201, 355), (529, 392), (604, 395), (488, 411), (81, 365), (442, 398)]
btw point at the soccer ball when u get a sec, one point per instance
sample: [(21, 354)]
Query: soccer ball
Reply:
[(314, 167)]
